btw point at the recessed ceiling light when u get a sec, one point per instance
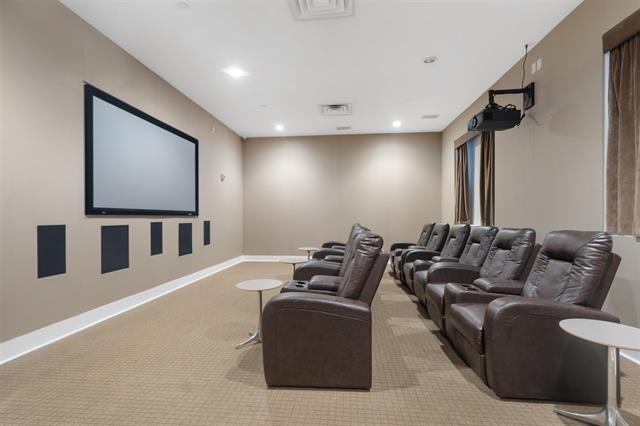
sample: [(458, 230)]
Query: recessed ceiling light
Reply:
[(235, 72), (430, 59), (279, 127), (430, 116), (397, 123)]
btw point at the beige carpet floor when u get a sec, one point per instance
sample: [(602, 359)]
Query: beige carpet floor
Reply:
[(172, 361)]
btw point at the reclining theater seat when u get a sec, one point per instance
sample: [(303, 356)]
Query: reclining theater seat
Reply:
[(453, 247), (319, 340), (335, 249), (397, 248), (310, 268), (326, 284), (509, 258), (474, 254), (436, 241), (514, 342)]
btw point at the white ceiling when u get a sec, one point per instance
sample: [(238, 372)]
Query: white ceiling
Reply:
[(373, 59)]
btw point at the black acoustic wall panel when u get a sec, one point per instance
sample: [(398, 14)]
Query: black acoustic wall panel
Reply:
[(51, 250), (156, 238), (115, 248), (185, 239), (207, 233)]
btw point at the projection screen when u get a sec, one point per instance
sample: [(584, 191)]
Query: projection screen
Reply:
[(136, 164)]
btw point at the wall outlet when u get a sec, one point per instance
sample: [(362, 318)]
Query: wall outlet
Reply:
[(539, 64), (533, 68)]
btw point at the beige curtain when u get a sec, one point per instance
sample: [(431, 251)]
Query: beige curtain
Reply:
[(462, 185), (487, 178), (623, 150)]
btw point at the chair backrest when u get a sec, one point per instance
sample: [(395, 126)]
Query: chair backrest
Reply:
[(349, 247), (438, 237), (373, 280), (509, 254), (575, 267), (456, 240), (425, 234), (367, 247), (478, 244)]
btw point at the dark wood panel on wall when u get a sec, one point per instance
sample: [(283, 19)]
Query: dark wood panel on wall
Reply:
[(206, 239), (156, 238), (51, 250), (185, 239), (114, 247)]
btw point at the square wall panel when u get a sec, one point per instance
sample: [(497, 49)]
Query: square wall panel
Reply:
[(156, 238), (51, 250), (115, 247), (185, 239)]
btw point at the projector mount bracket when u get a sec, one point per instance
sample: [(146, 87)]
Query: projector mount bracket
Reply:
[(528, 99)]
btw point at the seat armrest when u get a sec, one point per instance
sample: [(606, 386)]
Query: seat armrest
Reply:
[(333, 244), (399, 246), (452, 273), (421, 265), (499, 285), (334, 258), (313, 267), (467, 293), (324, 252), (510, 308), (438, 259), (316, 340), (529, 356), (412, 255)]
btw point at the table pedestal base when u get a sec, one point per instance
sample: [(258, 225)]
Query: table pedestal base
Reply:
[(610, 415), (254, 337)]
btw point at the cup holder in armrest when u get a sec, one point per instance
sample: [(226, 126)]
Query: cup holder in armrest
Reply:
[(470, 287), (301, 284)]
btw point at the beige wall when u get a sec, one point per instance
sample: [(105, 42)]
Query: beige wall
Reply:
[(304, 190), (45, 54), (550, 171)]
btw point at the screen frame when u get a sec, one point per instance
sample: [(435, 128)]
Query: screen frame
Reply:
[(90, 209)]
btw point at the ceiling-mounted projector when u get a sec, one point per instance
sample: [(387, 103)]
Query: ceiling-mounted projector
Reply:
[(496, 117)]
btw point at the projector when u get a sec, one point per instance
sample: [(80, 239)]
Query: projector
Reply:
[(495, 117)]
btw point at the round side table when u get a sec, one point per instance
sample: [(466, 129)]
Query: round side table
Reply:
[(308, 250), (294, 262), (614, 336), (259, 286)]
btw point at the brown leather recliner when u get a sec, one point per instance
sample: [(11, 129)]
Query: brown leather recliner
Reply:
[(514, 343), (334, 250), (320, 340), (474, 254), (310, 268), (397, 249), (453, 247), (435, 243), (509, 257)]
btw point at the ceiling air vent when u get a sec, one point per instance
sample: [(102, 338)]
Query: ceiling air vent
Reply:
[(321, 9), (343, 128), (335, 109), (430, 116)]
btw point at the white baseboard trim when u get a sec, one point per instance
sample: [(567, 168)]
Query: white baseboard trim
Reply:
[(29, 342), (259, 258), (632, 356)]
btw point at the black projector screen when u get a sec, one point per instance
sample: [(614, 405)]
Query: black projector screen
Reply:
[(136, 164)]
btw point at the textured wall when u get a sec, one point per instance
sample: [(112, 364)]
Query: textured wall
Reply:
[(550, 171), (46, 52), (304, 190)]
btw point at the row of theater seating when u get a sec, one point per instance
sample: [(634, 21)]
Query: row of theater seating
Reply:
[(317, 332), (498, 297)]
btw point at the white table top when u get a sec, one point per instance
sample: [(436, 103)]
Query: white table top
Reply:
[(308, 248), (603, 332), (292, 260), (259, 285)]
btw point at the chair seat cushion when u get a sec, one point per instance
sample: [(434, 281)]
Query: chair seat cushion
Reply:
[(468, 320), (325, 282)]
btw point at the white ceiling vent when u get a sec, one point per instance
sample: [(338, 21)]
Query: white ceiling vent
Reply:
[(335, 109), (343, 128), (321, 9)]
